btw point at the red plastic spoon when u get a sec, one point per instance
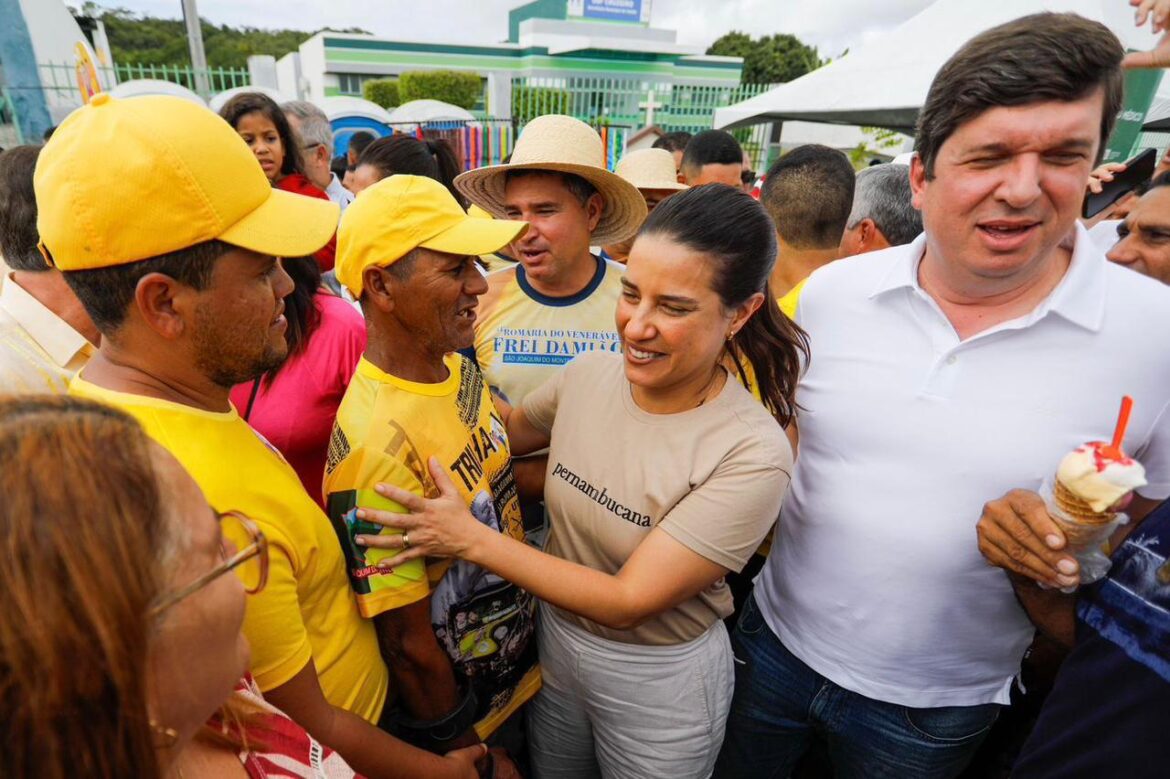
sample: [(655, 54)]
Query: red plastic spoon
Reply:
[(1113, 450)]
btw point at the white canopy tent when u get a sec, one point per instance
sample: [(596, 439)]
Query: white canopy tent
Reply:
[(153, 86), (422, 111), (883, 83)]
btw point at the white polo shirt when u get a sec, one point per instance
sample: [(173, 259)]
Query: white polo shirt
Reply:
[(875, 579)]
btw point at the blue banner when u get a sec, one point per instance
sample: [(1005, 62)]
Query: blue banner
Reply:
[(614, 10)]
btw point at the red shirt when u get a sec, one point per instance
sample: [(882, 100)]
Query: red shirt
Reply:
[(297, 183), (296, 412)]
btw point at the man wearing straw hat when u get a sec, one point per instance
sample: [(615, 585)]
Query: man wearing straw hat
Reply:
[(559, 300), (652, 172)]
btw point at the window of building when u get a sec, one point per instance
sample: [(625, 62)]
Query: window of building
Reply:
[(351, 83)]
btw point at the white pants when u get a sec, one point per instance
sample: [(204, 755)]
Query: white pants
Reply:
[(625, 711)]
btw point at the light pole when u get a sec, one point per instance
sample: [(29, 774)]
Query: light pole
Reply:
[(195, 43)]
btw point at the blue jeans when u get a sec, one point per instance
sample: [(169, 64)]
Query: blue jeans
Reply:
[(780, 704)]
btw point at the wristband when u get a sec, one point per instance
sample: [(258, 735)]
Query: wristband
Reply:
[(437, 735)]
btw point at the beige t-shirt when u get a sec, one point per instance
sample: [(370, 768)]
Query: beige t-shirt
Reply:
[(712, 477)]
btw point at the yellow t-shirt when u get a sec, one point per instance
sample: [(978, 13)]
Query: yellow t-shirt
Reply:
[(306, 611), (523, 337), (497, 262), (386, 430), (790, 300)]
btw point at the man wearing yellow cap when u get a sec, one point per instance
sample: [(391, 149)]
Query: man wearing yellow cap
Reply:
[(462, 637), (168, 231)]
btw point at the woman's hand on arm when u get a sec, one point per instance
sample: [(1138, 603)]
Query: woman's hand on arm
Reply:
[(444, 527)]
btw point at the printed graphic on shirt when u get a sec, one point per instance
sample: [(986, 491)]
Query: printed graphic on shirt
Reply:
[(338, 449), (1131, 607), (522, 338), (387, 433), (601, 497), (541, 346)]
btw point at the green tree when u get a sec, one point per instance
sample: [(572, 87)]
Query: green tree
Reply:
[(383, 91), (138, 38), (531, 102), (451, 86), (879, 141), (772, 59)]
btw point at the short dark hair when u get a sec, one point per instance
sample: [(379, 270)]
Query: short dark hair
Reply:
[(712, 147), (1037, 58), (360, 140), (809, 192), (577, 186), (673, 141), (18, 209), (883, 194), (259, 103), (106, 293)]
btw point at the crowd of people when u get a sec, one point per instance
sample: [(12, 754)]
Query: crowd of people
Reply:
[(317, 467)]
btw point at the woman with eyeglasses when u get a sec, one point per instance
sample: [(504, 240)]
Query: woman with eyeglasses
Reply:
[(121, 653)]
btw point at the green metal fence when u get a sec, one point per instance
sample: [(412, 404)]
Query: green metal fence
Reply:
[(637, 103), (61, 79), (628, 101)]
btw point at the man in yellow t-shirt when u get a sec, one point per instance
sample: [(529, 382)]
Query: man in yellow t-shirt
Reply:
[(172, 248), (463, 638)]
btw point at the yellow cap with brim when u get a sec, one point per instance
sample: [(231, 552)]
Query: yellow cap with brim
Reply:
[(124, 180), (402, 213)]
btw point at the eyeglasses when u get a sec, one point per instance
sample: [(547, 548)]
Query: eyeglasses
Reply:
[(311, 146), (250, 561)]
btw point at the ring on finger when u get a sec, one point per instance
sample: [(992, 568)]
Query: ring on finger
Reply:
[(406, 541)]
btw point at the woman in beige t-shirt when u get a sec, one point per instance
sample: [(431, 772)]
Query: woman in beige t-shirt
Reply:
[(663, 476)]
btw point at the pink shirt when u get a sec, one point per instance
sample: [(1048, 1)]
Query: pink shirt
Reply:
[(296, 412)]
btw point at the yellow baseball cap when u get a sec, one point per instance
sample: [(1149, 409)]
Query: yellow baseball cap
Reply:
[(123, 180), (401, 213)]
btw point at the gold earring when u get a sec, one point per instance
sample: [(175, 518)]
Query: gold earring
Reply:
[(165, 737)]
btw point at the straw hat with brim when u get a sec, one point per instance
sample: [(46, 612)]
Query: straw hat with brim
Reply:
[(566, 145), (131, 179), (401, 213), (649, 169)]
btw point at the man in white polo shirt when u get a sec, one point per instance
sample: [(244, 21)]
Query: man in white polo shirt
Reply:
[(944, 374)]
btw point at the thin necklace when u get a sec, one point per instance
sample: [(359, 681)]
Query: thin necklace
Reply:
[(714, 378)]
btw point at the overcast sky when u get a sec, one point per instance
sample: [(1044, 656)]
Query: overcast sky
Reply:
[(831, 25)]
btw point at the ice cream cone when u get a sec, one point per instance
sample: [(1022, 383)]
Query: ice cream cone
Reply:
[(1082, 526), (1076, 508)]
